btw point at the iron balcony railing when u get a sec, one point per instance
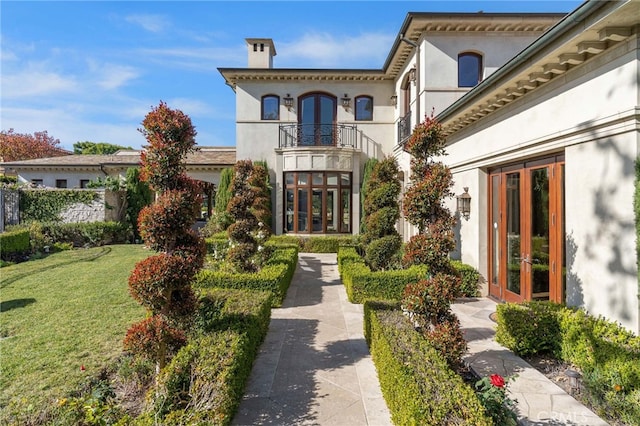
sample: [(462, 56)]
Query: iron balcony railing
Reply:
[(301, 135), (404, 128)]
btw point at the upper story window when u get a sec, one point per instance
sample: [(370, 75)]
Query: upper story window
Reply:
[(364, 108), (84, 183), (469, 69), (271, 107), (61, 183)]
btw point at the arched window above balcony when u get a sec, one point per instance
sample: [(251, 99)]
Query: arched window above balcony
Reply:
[(364, 108), (270, 107)]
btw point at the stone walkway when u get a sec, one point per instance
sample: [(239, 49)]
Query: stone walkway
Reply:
[(540, 401), (314, 367)]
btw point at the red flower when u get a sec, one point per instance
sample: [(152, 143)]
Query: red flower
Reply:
[(82, 368), (497, 380)]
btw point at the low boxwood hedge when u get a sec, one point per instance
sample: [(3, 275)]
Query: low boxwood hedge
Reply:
[(417, 384), (325, 244), (362, 284), (275, 276), (470, 279), (607, 354), (87, 234), (204, 382), (14, 243)]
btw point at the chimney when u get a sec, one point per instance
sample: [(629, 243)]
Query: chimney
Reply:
[(261, 52)]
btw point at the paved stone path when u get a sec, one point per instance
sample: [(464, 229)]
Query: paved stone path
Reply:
[(314, 367), (540, 401)]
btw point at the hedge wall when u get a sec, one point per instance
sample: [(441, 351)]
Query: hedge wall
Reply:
[(326, 244), (417, 384), (362, 284), (204, 382), (14, 243), (607, 354), (275, 276)]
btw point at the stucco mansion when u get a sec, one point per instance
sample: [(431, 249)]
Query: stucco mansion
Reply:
[(542, 117)]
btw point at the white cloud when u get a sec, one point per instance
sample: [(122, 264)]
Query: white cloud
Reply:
[(31, 83), (367, 50), (197, 59), (114, 76), (191, 107), (151, 23)]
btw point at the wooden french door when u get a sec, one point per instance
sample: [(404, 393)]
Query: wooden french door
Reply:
[(317, 119), (526, 229)]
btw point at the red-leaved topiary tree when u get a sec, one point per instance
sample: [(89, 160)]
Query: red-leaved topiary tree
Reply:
[(429, 300), (162, 283)]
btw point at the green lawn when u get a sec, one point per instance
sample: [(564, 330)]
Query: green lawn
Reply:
[(60, 313)]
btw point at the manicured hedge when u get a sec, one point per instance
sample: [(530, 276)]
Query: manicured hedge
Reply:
[(14, 243), (89, 234), (275, 276), (204, 382), (217, 246), (607, 354), (417, 384), (326, 244), (470, 279), (362, 284)]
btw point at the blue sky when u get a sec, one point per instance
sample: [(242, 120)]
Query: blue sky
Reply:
[(93, 70)]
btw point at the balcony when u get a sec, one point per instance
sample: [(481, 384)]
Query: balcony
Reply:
[(404, 129), (320, 135)]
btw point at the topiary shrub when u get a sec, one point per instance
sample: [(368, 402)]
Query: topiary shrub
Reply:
[(381, 212), (14, 243), (162, 283), (424, 208), (469, 279)]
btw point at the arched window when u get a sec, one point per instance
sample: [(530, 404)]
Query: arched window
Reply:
[(364, 108), (270, 107), (469, 69)]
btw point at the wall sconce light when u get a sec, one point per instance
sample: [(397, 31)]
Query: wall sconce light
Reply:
[(412, 75), (288, 101), (394, 99), (346, 101), (464, 203)]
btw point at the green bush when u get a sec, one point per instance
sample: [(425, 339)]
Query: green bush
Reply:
[(607, 354), (86, 234), (14, 243), (204, 382), (363, 284), (470, 279), (322, 244), (417, 384), (217, 246), (275, 276), (384, 252)]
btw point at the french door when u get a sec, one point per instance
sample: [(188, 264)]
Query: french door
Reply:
[(526, 229), (317, 119)]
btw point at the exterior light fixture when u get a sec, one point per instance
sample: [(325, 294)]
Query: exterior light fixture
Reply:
[(464, 203), (412, 75), (574, 377), (288, 101), (394, 99), (346, 101)]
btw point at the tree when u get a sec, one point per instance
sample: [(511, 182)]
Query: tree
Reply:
[(23, 146), (429, 300), (99, 148), (139, 195), (162, 283), (381, 212)]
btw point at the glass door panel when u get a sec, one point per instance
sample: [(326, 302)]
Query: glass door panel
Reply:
[(303, 210), (346, 210), (307, 120), (316, 205), (333, 210), (495, 236), (513, 233), (326, 120), (290, 211), (538, 255)]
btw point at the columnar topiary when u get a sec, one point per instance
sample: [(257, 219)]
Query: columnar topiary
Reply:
[(428, 301), (381, 214), (245, 224), (366, 175), (161, 283)]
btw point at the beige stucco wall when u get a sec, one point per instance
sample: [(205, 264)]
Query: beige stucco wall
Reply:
[(49, 177), (591, 114)]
